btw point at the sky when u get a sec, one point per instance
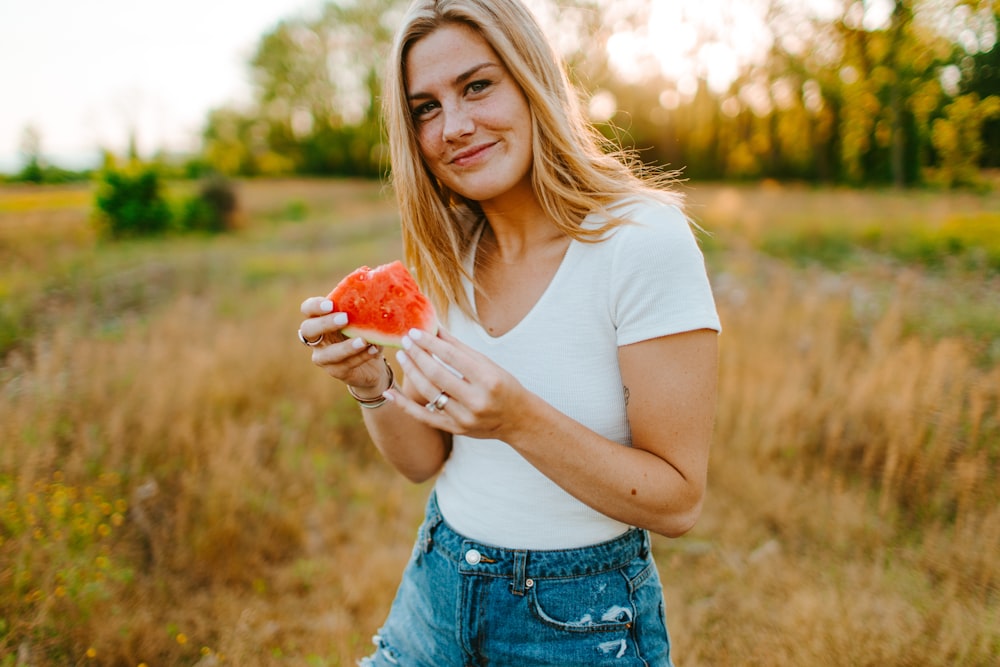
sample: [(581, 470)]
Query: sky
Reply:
[(86, 73), (83, 72)]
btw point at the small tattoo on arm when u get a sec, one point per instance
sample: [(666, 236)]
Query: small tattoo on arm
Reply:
[(626, 394)]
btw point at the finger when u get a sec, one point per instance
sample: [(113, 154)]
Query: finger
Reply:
[(415, 376), (438, 373), (357, 368), (445, 352), (446, 335), (342, 355), (316, 305), (328, 326), (415, 409), (337, 356), (459, 346), (451, 419), (360, 344)]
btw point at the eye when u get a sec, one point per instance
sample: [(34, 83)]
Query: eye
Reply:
[(478, 86), (424, 111)]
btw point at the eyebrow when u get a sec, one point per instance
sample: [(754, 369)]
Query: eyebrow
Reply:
[(461, 78)]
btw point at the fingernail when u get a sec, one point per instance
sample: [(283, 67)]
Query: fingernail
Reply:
[(340, 319), (358, 343), (414, 334), (373, 350), (401, 357), (407, 343), (327, 306)]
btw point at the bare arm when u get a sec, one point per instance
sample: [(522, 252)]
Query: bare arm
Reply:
[(416, 449), (658, 483)]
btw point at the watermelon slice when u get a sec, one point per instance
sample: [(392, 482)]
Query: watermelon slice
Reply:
[(382, 304)]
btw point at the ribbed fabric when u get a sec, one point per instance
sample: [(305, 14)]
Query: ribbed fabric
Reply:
[(644, 281)]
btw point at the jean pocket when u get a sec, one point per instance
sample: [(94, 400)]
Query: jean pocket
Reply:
[(594, 603), (642, 572)]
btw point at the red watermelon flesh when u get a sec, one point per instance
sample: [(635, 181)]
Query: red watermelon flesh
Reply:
[(382, 304)]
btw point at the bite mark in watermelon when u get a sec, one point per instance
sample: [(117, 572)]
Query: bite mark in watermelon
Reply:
[(382, 304)]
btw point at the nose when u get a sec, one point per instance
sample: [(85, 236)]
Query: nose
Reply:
[(457, 123)]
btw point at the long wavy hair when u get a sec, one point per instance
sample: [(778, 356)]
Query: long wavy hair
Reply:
[(575, 172)]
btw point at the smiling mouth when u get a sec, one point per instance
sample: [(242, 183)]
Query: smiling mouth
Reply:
[(470, 154)]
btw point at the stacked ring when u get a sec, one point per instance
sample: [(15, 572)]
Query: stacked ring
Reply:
[(439, 402)]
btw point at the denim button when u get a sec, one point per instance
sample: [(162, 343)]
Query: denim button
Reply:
[(472, 556), (528, 583)]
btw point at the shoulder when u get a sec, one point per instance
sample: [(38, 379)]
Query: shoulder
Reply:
[(651, 227), (658, 279), (638, 217)]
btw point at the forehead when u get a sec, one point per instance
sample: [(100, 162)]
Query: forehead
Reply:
[(443, 55)]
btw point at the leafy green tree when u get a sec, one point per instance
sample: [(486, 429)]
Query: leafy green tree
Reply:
[(316, 96), (855, 94), (236, 143), (958, 138), (317, 85), (981, 75)]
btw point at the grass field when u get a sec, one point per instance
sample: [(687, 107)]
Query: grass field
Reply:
[(180, 486)]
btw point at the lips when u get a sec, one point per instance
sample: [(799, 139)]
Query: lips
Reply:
[(470, 155)]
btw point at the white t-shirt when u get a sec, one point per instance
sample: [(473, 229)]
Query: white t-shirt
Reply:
[(643, 281)]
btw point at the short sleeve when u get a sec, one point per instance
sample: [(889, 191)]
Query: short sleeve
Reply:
[(659, 283)]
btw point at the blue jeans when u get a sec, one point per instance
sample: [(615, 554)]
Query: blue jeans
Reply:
[(466, 604)]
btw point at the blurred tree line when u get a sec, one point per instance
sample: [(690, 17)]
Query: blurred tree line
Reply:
[(911, 98)]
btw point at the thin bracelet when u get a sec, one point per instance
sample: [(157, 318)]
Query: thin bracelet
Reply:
[(372, 403)]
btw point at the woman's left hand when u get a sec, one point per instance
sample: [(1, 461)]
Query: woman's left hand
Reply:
[(464, 392)]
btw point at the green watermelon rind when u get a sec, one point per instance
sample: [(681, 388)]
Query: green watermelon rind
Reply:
[(379, 338)]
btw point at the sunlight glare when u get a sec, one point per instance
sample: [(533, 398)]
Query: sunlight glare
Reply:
[(672, 39), (721, 66), (630, 57), (603, 106), (710, 40)]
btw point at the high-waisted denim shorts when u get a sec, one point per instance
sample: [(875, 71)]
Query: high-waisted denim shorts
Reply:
[(466, 604)]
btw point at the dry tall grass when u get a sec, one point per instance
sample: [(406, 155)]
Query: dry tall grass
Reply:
[(178, 484), (853, 515)]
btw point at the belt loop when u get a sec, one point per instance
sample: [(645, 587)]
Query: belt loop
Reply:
[(520, 562)]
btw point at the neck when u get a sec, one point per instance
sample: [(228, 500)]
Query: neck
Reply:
[(517, 227)]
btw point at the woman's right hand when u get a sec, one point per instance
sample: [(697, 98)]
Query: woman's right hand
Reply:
[(353, 361)]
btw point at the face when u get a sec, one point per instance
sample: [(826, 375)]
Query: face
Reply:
[(472, 120)]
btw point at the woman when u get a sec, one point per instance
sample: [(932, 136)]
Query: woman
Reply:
[(567, 406)]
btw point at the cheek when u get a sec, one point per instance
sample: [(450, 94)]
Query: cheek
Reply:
[(428, 140), (430, 147)]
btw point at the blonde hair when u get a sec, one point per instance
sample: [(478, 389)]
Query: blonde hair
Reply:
[(575, 170)]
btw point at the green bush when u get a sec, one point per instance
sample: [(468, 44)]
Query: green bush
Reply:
[(131, 203), (212, 210)]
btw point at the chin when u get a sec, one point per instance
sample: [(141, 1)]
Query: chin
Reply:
[(490, 186), (483, 192)]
